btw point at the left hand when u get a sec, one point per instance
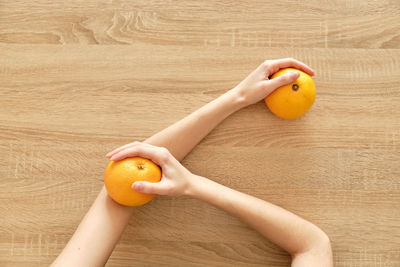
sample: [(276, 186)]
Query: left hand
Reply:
[(257, 85)]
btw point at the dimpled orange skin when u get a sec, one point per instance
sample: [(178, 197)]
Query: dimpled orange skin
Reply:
[(120, 175), (287, 103)]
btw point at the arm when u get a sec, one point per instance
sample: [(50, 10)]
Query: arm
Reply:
[(102, 226), (307, 244), (181, 137)]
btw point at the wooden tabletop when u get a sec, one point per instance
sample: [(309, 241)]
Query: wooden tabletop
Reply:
[(78, 78)]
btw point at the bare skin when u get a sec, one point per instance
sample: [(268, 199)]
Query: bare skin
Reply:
[(102, 226)]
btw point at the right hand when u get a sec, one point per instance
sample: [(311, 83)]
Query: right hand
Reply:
[(175, 178), (258, 86)]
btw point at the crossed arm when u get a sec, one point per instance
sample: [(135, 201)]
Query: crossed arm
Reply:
[(102, 226)]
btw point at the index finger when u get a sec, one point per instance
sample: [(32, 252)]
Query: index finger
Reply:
[(146, 151), (290, 62), (118, 149)]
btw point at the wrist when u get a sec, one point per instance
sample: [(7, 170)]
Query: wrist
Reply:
[(192, 183), (236, 98)]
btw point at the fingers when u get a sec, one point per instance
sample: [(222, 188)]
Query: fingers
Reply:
[(110, 154), (291, 62), (283, 80), (160, 188), (158, 155), (272, 66)]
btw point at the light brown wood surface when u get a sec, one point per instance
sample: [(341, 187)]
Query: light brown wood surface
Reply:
[(78, 78)]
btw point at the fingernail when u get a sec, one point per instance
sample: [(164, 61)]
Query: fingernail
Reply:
[(294, 74), (137, 186)]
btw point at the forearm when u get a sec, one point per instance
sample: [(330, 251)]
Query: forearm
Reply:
[(287, 230), (181, 137), (97, 234)]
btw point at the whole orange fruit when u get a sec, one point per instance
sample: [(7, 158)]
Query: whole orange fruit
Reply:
[(120, 175), (292, 100)]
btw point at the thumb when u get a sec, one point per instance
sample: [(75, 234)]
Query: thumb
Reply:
[(284, 79), (147, 187)]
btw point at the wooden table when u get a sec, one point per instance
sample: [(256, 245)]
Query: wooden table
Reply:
[(78, 78)]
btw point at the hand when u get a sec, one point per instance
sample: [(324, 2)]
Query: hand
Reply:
[(175, 178), (257, 85)]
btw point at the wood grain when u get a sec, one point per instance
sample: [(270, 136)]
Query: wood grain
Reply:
[(127, 69), (339, 23)]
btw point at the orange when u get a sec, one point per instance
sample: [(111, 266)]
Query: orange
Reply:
[(120, 175), (292, 100)]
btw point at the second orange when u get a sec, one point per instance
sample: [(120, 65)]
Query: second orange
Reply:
[(292, 100)]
